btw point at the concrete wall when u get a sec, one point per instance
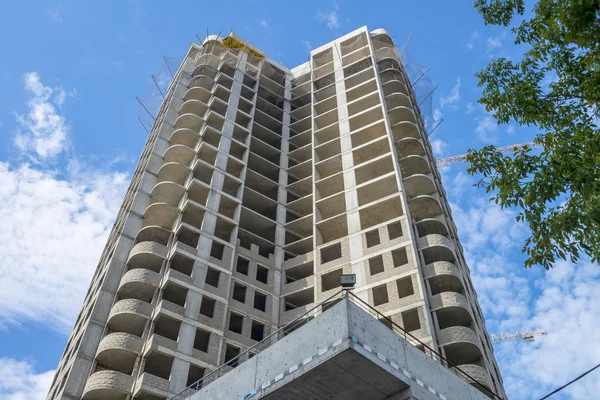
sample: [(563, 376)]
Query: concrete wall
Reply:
[(344, 326)]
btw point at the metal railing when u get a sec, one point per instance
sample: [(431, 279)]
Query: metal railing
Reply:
[(411, 339), (313, 313), (260, 346)]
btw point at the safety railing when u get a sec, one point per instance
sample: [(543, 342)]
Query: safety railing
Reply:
[(313, 313), (408, 337)]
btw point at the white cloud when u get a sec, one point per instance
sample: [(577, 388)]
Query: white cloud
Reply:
[(52, 234), (493, 43), (263, 23), (470, 107), (486, 128), (511, 130), (19, 381), (567, 308), (473, 40), (55, 14), (330, 17), (453, 97), (42, 130), (439, 147), (563, 301)]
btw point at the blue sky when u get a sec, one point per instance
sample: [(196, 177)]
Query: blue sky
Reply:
[(69, 139)]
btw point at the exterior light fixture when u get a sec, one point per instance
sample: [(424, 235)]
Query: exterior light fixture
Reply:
[(347, 281)]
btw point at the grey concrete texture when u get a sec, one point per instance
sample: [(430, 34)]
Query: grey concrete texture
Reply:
[(354, 352)]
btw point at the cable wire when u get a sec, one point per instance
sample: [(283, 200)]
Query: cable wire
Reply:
[(574, 380)]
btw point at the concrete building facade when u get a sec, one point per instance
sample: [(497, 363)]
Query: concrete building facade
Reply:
[(257, 187)]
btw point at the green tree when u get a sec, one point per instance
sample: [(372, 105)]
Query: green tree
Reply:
[(557, 190)]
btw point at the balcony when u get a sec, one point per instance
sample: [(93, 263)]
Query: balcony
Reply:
[(139, 284), (119, 351), (130, 316), (107, 385)]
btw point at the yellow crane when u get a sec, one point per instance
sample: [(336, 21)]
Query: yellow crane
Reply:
[(528, 335), (462, 158)]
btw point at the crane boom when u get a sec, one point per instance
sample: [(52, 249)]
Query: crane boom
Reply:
[(528, 335), (462, 158)]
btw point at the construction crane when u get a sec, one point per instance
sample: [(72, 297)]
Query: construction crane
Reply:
[(462, 158), (528, 335)]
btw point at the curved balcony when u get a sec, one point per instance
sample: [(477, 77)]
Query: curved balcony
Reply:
[(381, 35), (397, 99), (418, 185), (460, 344), (139, 284), (429, 226), (167, 192), (389, 63), (203, 69), (405, 129), (118, 351), (210, 59), (161, 214), (147, 255), (476, 373), (193, 106), (436, 248), (441, 268), (152, 233), (409, 147), (200, 89), (179, 153), (394, 85), (414, 165), (387, 52), (400, 114), (130, 316), (107, 385), (434, 240), (452, 309), (186, 137), (424, 206), (391, 75), (173, 172), (189, 121)]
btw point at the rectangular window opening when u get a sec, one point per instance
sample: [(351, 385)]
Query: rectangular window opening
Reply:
[(394, 230), (405, 287), (410, 320), (372, 238), (242, 266), (262, 274), (212, 277), (380, 295), (207, 306), (201, 340), (399, 257), (260, 301), (258, 331), (236, 322), (376, 265), (239, 293)]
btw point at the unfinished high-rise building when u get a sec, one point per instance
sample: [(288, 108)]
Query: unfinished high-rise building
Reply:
[(257, 187)]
